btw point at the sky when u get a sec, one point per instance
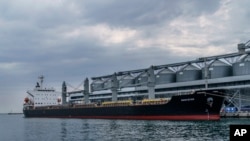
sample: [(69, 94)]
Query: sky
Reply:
[(69, 40)]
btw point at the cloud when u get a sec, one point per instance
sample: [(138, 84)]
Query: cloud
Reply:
[(146, 12), (8, 66), (102, 32), (71, 40), (15, 69)]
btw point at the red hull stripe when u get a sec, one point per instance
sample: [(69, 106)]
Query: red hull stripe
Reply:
[(174, 117)]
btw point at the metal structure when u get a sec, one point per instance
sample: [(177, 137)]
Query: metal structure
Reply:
[(229, 71)]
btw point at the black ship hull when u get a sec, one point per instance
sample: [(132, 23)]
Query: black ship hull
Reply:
[(202, 105)]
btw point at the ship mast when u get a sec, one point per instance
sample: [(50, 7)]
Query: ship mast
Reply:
[(41, 80)]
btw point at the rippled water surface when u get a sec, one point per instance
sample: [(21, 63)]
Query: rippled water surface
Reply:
[(15, 127)]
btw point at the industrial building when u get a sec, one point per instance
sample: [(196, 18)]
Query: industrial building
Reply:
[(228, 71)]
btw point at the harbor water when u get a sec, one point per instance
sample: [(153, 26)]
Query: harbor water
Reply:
[(16, 127)]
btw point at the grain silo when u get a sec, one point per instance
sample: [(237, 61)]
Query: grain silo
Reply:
[(142, 79), (107, 84), (165, 76), (218, 69), (126, 81), (97, 85), (242, 67), (188, 73)]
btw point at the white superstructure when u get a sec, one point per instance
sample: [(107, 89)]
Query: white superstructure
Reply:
[(43, 96)]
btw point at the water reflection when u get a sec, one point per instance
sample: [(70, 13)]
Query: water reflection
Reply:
[(63, 130), (30, 129), (85, 131)]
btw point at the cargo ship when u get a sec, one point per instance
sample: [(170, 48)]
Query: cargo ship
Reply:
[(194, 105)]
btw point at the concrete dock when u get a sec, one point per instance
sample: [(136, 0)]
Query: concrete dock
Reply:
[(235, 115)]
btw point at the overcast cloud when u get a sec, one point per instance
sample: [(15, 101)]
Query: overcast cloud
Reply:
[(71, 39)]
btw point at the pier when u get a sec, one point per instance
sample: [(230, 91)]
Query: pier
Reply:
[(235, 115)]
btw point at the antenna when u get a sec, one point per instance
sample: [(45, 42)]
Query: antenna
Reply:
[(41, 80)]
